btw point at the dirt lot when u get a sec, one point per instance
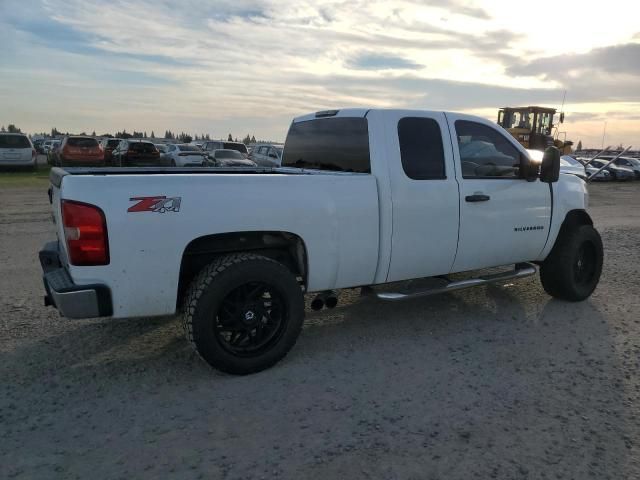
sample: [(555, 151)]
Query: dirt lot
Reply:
[(496, 382)]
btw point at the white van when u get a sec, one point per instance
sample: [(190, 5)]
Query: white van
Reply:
[(17, 150)]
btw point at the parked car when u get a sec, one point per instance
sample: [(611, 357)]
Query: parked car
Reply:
[(185, 155), (140, 153), (108, 145), (570, 165), (211, 145), (230, 158), (617, 173), (16, 150), (384, 201), (38, 145), (266, 154), (602, 176), (78, 151), (628, 162), (162, 148), (53, 151), (48, 144)]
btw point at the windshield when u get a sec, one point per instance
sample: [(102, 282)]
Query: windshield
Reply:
[(544, 123), (14, 141), (229, 154), (81, 142), (189, 148), (518, 119), (570, 160)]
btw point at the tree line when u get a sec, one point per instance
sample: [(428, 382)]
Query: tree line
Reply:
[(168, 134)]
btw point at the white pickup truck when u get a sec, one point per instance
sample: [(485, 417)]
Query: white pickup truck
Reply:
[(364, 198)]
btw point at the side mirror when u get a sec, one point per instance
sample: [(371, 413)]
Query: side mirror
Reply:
[(528, 169), (550, 167)]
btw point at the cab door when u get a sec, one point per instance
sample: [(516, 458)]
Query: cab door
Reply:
[(504, 219), (424, 194)]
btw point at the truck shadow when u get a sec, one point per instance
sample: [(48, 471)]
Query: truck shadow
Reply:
[(413, 387)]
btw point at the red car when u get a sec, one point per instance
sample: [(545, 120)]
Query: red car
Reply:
[(80, 151)]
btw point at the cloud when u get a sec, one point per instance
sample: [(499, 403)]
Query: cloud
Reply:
[(458, 7), (372, 61), (606, 74), (615, 59), (249, 64)]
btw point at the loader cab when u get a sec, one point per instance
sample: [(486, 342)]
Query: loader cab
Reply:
[(531, 126)]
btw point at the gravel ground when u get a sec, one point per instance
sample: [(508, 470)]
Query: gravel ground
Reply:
[(493, 382)]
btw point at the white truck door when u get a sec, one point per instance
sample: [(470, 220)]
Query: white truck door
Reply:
[(503, 218), (424, 194)]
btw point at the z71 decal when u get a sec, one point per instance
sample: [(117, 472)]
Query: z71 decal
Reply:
[(159, 204)]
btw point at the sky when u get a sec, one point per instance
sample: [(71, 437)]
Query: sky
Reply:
[(250, 66)]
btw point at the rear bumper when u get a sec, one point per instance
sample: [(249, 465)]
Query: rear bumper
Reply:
[(77, 160), (71, 300), (18, 163)]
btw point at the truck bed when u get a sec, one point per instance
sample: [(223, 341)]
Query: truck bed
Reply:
[(334, 213), (57, 173)]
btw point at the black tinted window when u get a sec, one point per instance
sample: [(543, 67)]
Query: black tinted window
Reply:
[(142, 147), (239, 147), (421, 149), (189, 148), (82, 142), (339, 144), (14, 141), (228, 154), (484, 152)]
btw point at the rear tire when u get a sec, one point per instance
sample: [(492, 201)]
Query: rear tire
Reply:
[(243, 313), (572, 269)]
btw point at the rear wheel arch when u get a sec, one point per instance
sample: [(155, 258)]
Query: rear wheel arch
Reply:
[(284, 247)]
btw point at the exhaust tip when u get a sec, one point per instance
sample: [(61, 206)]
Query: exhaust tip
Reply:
[(317, 303), (331, 301)]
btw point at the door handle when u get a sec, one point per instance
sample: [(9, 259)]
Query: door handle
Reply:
[(477, 198)]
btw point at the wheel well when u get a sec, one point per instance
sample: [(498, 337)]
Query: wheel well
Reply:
[(575, 218), (284, 247)]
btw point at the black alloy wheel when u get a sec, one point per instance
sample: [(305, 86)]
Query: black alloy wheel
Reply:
[(251, 318)]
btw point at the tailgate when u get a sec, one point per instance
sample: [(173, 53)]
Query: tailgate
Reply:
[(54, 193)]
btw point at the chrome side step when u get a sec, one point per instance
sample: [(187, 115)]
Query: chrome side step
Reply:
[(521, 270)]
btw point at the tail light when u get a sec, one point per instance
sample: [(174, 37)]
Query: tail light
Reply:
[(34, 153), (85, 231)]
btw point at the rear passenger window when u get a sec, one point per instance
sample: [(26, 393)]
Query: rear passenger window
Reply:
[(421, 149), (14, 141), (486, 153), (340, 144)]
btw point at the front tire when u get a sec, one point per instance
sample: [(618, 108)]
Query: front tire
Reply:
[(243, 313), (572, 269)]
